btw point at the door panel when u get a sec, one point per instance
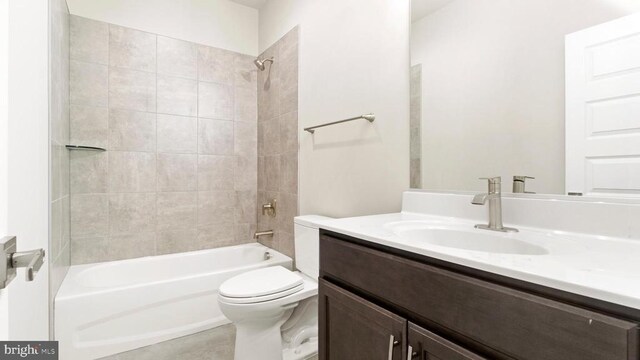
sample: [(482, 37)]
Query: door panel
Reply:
[(426, 345), (26, 161), (355, 329), (603, 109)]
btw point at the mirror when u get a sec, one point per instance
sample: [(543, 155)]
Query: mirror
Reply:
[(488, 95)]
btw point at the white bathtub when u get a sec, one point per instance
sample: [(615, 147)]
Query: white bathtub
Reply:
[(107, 308)]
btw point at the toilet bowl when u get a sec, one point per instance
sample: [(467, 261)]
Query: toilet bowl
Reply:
[(275, 310)]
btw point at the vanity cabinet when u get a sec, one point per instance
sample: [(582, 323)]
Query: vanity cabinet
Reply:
[(357, 329), (369, 293)]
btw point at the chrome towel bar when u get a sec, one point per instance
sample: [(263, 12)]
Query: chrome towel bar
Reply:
[(368, 117)]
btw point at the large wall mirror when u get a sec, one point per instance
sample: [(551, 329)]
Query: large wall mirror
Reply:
[(547, 89)]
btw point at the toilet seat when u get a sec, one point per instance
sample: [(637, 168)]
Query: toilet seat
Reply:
[(261, 285)]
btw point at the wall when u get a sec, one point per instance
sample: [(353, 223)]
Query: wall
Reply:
[(179, 122), (217, 23), (28, 169), (415, 124), (493, 88), (4, 122), (354, 59), (59, 237), (278, 141)]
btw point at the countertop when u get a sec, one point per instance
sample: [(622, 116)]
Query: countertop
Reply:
[(600, 267)]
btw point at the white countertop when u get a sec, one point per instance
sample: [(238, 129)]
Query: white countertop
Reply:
[(600, 267)]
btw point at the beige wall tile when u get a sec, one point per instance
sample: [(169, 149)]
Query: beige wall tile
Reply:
[(246, 173), (177, 58), (215, 101), (222, 234), (272, 173), (271, 134), (89, 250), (278, 142), (132, 213), (216, 207), (88, 172), (246, 104), (177, 210), (288, 208), (175, 241), (215, 172), (88, 84), (246, 73), (89, 40), (177, 96), (244, 233), (132, 171), (269, 89), (132, 49), (245, 139), (131, 246), (132, 90), (216, 65), (177, 172), (89, 215), (177, 134), (215, 137), (289, 132), (246, 208), (132, 130), (289, 173), (89, 126)]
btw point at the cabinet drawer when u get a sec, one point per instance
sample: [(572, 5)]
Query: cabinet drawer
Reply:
[(517, 324)]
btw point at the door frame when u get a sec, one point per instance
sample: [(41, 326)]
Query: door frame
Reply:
[(24, 164)]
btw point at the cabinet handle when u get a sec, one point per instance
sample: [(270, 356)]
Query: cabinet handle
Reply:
[(410, 353), (392, 343)]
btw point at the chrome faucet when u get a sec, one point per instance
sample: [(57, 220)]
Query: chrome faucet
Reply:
[(258, 234), (494, 197)]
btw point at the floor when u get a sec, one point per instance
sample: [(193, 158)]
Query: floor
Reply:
[(214, 344)]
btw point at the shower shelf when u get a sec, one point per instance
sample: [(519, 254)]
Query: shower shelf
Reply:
[(85, 148)]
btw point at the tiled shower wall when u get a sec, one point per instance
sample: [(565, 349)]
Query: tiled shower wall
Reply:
[(278, 141), (59, 136), (178, 121)]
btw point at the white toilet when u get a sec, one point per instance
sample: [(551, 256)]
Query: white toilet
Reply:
[(275, 310)]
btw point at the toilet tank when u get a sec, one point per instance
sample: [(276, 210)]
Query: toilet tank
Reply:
[(307, 244)]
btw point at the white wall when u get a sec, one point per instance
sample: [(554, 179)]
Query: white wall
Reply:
[(28, 161), (493, 88), (4, 47), (354, 59), (218, 23)]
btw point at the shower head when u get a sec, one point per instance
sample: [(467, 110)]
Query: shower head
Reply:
[(260, 62)]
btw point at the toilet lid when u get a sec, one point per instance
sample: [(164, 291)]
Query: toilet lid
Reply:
[(261, 282)]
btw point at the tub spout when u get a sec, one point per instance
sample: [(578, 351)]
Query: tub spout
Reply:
[(258, 234)]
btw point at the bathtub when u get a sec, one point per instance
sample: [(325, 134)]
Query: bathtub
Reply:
[(107, 308)]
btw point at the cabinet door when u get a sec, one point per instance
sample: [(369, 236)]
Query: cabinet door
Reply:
[(352, 328), (425, 345)]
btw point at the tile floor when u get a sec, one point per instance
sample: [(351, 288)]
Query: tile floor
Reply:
[(214, 344)]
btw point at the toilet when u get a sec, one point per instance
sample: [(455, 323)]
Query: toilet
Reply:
[(274, 309)]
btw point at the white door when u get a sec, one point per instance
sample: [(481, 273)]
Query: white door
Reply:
[(24, 161), (4, 100), (603, 109)]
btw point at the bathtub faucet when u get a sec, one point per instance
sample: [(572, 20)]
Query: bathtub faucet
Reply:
[(262, 233)]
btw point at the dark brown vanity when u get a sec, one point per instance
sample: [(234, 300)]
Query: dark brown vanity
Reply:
[(378, 302)]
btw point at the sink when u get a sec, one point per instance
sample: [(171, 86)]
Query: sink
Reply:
[(460, 237)]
